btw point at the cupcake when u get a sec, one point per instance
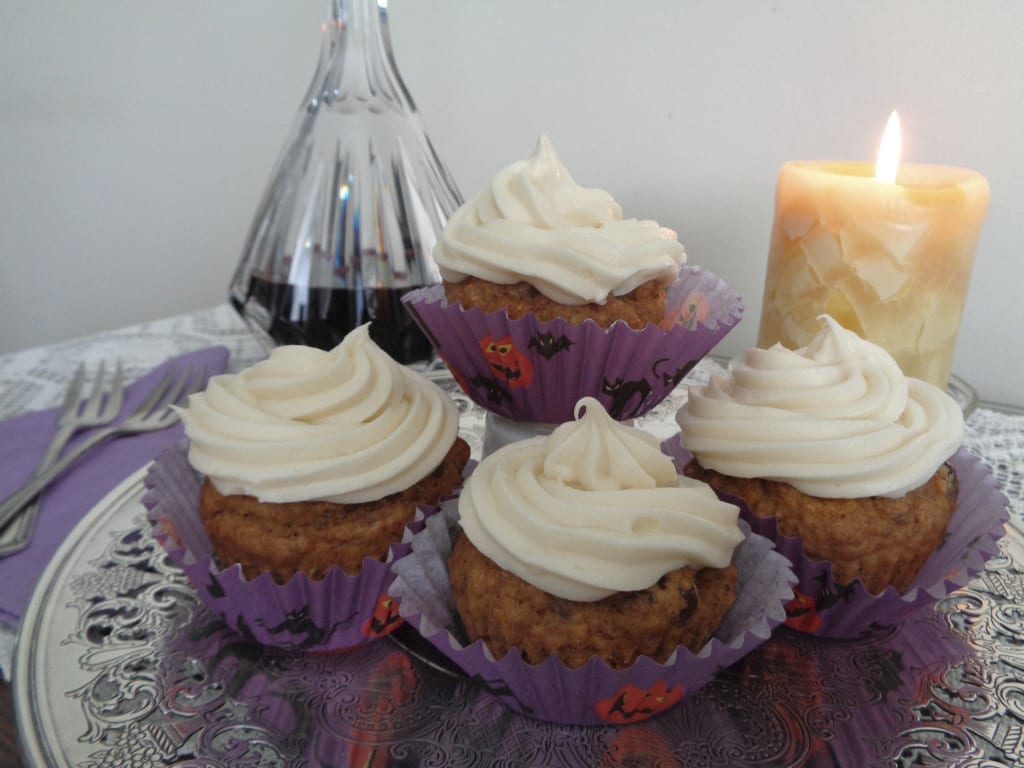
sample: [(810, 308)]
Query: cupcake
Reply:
[(315, 458), (587, 543), (535, 242), (586, 567), (839, 447), (301, 473), (550, 295)]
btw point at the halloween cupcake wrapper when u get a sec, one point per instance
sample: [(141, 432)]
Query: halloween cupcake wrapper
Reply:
[(335, 612), (824, 608), (534, 371), (594, 694)]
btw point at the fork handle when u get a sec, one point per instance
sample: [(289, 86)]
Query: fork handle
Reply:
[(16, 534), (42, 478), (56, 446), (49, 459)]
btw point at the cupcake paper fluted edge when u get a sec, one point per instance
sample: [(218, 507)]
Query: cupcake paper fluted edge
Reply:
[(336, 612), (594, 694), (826, 609), (534, 371)]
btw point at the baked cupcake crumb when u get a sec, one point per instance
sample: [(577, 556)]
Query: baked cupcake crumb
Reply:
[(587, 543), (879, 540), (684, 607), (642, 306), (311, 536)]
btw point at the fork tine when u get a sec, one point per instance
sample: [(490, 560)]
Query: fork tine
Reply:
[(182, 399), (67, 418), (178, 393), (174, 393), (196, 386), (178, 388), (116, 397), (155, 396), (91, 408), (74, 393)]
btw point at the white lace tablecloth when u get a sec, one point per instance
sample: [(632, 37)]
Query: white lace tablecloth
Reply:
[(36, 379)]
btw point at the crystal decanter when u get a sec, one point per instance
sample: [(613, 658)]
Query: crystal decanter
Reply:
[(354, 205)]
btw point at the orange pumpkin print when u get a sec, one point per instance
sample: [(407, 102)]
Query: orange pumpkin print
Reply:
[(638, 745), (802, 614), (394, 684), (385, 618), (507, 362), (632, 704)]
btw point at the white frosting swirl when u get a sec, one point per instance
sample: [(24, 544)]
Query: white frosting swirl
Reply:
[(835, 419), (593, 509), (533, 223), (345, 426)]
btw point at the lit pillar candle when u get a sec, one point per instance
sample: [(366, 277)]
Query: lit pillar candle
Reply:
[(887, 253)]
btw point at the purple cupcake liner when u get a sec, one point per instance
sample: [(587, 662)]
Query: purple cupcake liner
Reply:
[(528, 370), (826, 609), (336, 612), (594, 694)]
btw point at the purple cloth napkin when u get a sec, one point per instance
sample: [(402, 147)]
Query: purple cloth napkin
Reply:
[(24, 439)]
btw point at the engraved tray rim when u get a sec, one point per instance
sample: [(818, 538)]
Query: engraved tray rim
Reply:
[(34, 747)]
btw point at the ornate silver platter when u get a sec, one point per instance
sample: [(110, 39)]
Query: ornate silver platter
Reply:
[(118, 664)]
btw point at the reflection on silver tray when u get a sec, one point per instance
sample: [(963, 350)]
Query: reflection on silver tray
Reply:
[(119, 664)]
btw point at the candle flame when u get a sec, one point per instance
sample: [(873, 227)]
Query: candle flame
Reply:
[(888, 162)]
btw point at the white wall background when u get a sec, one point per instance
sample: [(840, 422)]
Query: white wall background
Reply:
[(136, 136)]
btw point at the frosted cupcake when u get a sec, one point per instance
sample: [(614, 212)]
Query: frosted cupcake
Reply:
[(311, 463), (535, 242), (586, 564), (316, 458), (836, 444), (587, 543), (550, 294)]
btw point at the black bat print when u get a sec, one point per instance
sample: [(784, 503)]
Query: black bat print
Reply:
[(548, 346), (495, 392)]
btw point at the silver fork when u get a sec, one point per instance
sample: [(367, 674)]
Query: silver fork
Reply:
[(153, 414), (99, 408)]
